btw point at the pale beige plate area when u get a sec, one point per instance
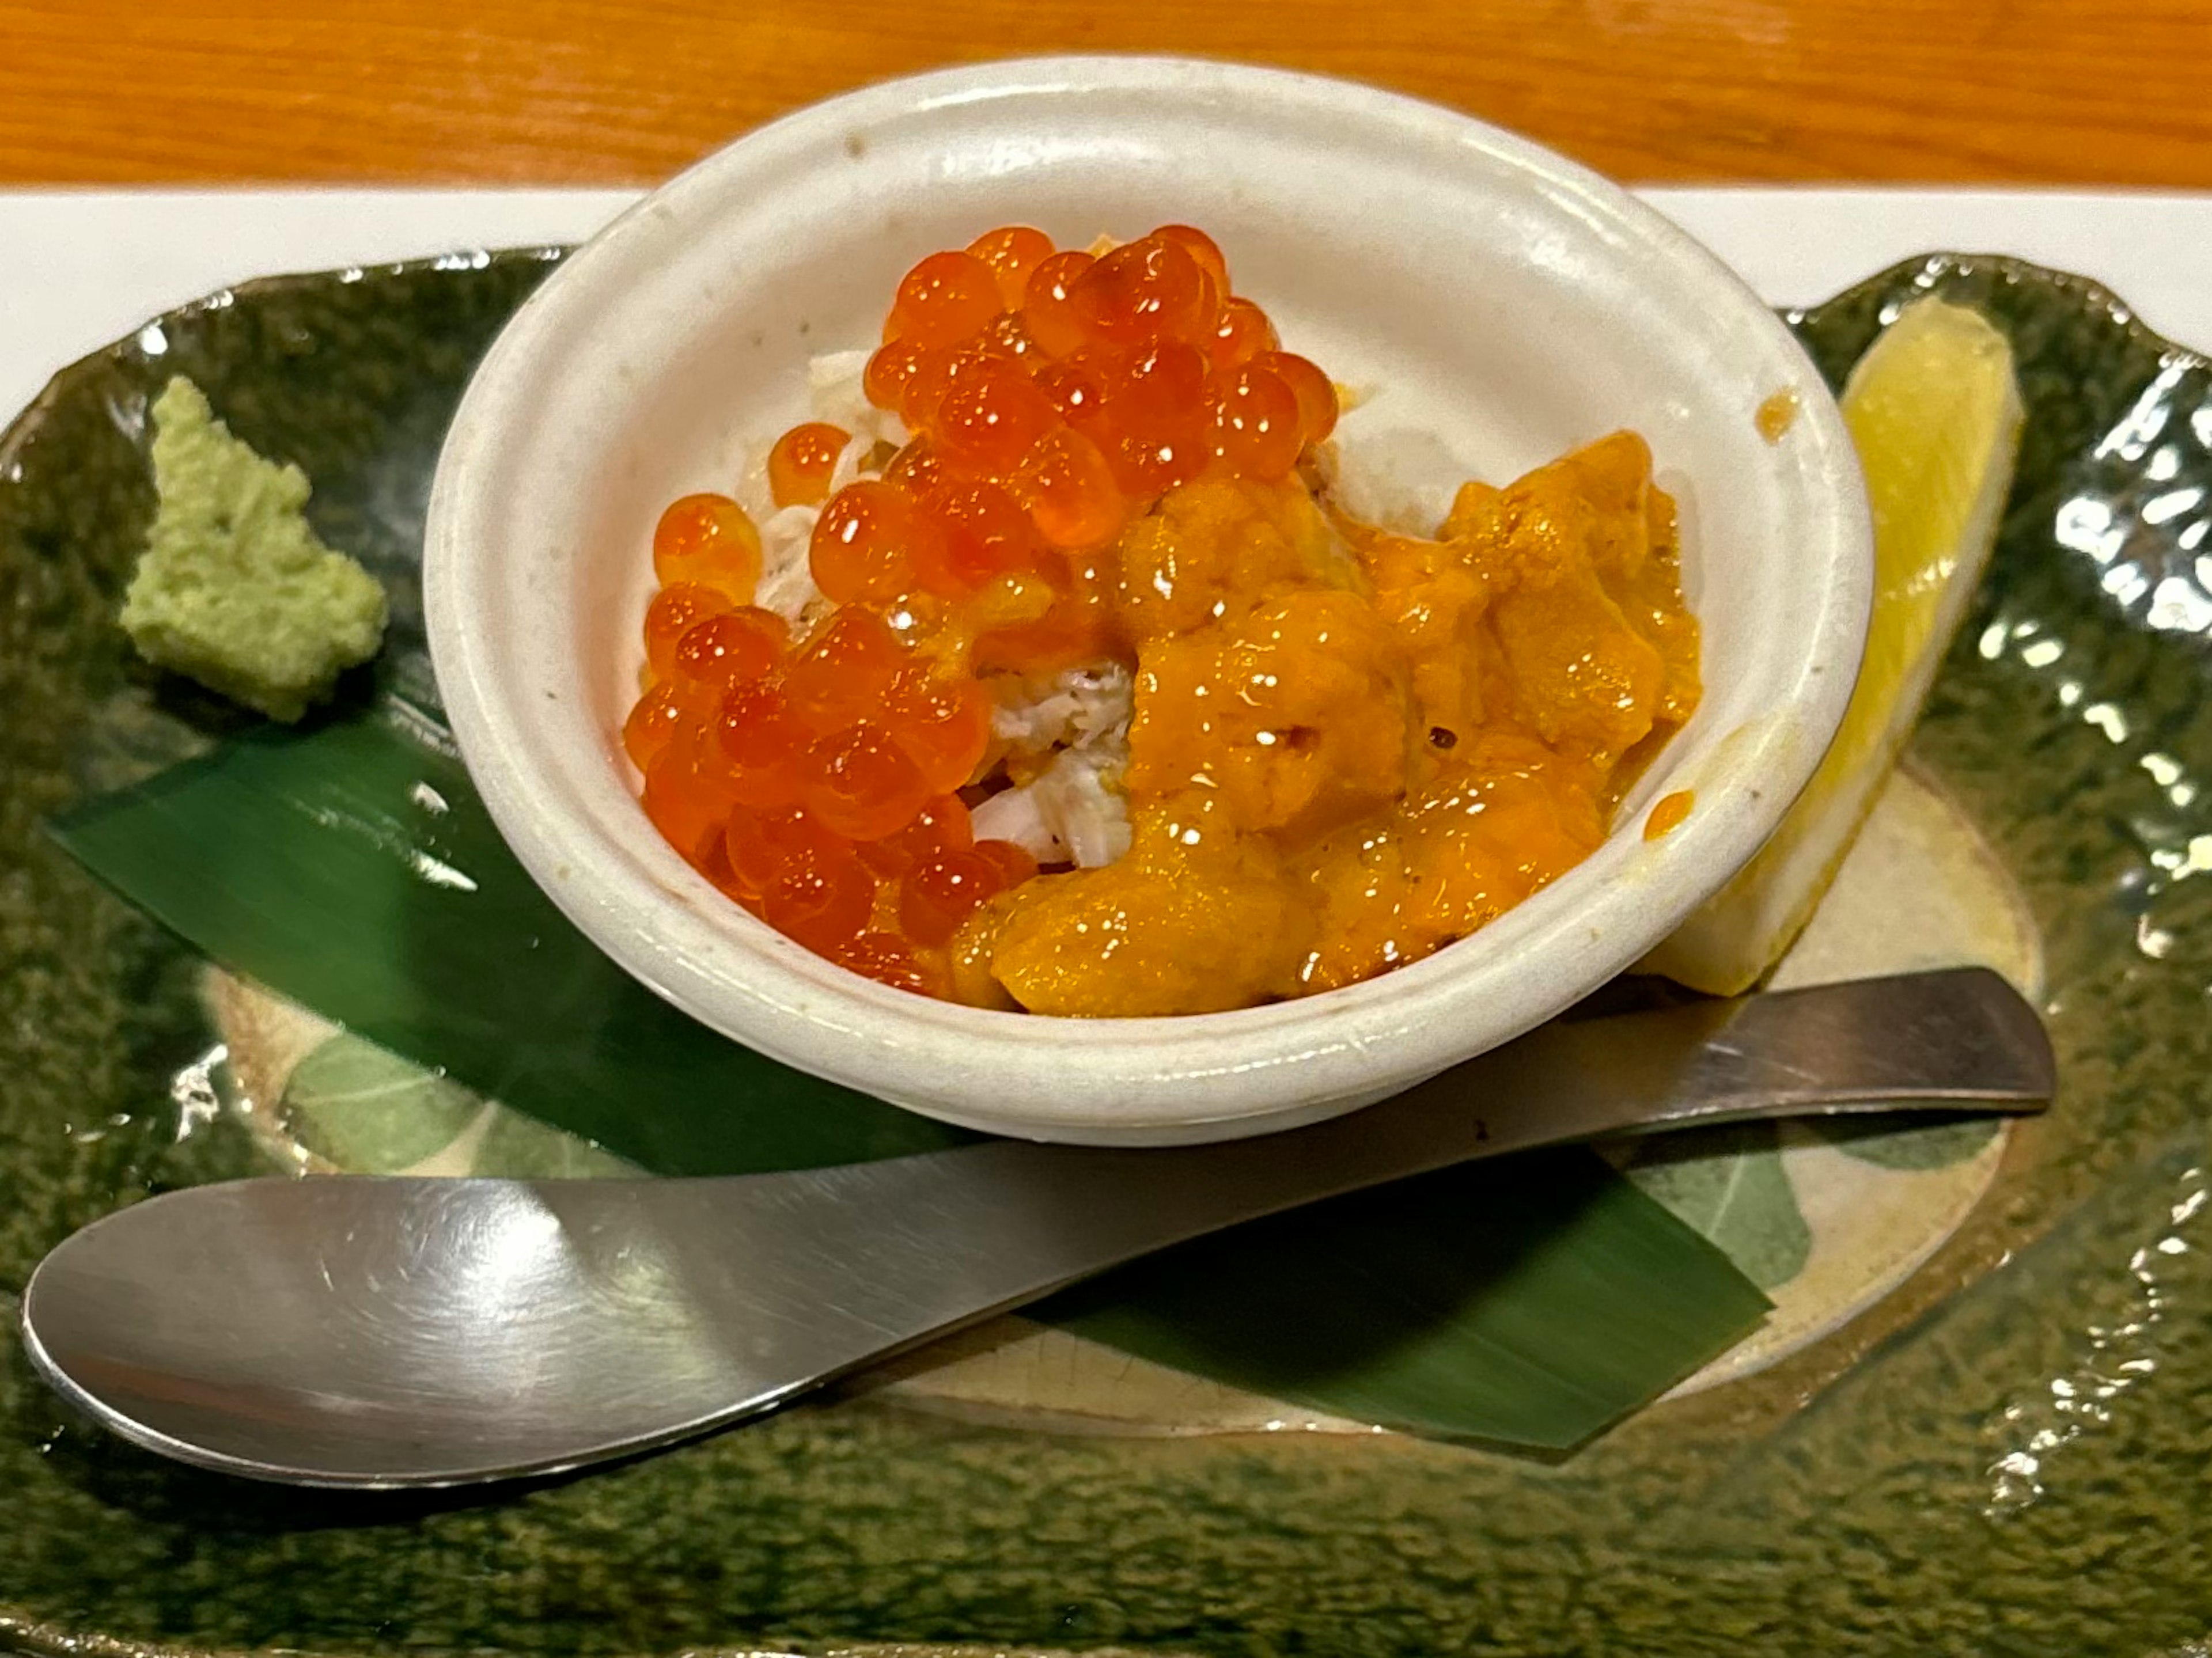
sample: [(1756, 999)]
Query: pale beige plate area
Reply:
[(1920, 888)]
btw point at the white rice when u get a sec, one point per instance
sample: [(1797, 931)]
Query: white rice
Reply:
[(1380, 471), (836, 393)]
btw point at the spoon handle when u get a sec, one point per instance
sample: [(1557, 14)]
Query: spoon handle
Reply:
[(399, 1331), (940, 1240)]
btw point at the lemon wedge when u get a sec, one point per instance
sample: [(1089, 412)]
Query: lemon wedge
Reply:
[(1935, 411)]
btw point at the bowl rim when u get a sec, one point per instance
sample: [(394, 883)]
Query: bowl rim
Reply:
[(1108, 1079)]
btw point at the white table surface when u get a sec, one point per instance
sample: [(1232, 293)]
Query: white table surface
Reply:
[(78, 268)]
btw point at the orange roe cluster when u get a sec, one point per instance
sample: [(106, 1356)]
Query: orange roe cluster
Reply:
[(1346, 746), (1051, 396), (814, 781)]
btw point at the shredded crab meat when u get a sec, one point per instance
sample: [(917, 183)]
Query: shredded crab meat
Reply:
[(1071, 812), (1082, 706), (786, 582)]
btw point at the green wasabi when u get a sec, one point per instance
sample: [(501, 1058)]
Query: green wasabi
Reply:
[(234, 589)]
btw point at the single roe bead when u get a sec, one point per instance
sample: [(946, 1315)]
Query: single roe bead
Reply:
[(1239, 334), (865, 543), (941, 825), (800, 464), (1014, 865), (943, 370), (1146, 468), (1255, 424), (983, 533), (737, 645), (717, 867), (761, 846), (1159, 392), (1012, 252), (944, 300), (761, 741), (1070, 491), (862, 784), (1048, 309), (1142, 292), (942, 724), (1077, 386), (1314, 391), (986, 424), (674, 611), (939, 893), (707, 538), (687, 793), (660, 714), (821, 897), (917, 469), (843, 672), (1009, 336), (1202, 249), (888, 959), (884, 382)]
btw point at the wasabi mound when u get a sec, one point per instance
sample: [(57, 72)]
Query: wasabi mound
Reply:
[(233, 589)]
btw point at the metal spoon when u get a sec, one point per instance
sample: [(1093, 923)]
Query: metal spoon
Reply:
[(369, 1331)]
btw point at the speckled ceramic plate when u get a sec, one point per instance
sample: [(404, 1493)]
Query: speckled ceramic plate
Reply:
[(1978, 1421)]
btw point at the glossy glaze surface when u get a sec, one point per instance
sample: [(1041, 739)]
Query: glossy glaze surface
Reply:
[(2015, 1447)]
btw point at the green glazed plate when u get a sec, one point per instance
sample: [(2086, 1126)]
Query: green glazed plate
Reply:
[(1979, 1419)]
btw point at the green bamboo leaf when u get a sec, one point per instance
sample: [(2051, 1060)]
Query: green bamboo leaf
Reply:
[(1531, 1301), (1728, 1186), (351, 866)]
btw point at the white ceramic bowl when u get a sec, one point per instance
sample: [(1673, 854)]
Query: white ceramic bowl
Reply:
[(1505, 300)]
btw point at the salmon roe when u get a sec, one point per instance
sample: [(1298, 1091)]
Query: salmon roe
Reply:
[(815, 772), (803, 459)]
